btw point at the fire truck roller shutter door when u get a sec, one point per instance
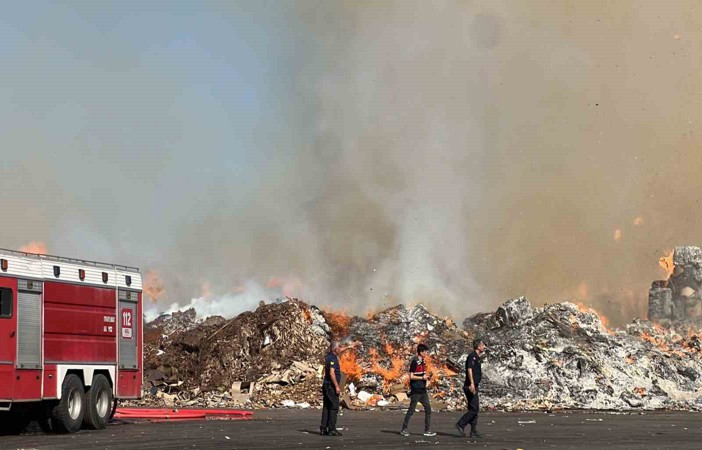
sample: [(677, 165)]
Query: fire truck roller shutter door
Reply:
[(29, 324), (128, 330), (8, 335)]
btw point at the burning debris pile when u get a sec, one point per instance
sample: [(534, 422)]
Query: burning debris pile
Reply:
[(558, 356), (217, 362), (378, 350), (561, 356), (273, 356), (678, 298)]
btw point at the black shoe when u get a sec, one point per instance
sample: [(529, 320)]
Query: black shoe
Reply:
[(475, 434), (322, 431), (335, 433), (460, 429)]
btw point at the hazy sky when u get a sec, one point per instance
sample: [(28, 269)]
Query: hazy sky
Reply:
[(358, 153)]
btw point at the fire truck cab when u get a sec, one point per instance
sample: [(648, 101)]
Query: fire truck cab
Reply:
[(70, 341)]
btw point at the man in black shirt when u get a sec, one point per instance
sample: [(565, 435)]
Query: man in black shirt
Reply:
[(331, 391), (418, 387), (471, 389)]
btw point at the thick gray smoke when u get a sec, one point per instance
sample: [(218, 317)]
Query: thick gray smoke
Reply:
[(379, 205), (455, 153), (467, 152)]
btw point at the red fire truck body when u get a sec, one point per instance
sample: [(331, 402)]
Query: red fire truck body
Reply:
[(70, 340)]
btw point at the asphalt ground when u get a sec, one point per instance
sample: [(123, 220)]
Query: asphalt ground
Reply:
[(379, 429)]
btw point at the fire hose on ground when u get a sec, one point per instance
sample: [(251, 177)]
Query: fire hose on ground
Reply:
[(174, 414)]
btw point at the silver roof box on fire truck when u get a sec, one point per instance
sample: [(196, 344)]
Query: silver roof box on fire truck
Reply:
[(70, 270)]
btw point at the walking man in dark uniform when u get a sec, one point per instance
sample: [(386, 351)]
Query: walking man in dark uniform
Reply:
[(418, 387), (331, 391), (471, 389)]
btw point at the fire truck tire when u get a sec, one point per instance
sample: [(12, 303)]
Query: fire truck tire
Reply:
[(67, 415), (98, 403)]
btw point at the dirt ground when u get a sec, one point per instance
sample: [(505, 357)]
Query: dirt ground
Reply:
[(377, 429)]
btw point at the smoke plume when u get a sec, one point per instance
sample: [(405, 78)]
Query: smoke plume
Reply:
[(454, 153)]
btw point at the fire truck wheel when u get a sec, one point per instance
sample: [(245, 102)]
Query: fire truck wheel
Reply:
[(67, 415), (98, 403)]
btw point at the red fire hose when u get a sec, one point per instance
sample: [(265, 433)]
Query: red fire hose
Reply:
[(168, 414)]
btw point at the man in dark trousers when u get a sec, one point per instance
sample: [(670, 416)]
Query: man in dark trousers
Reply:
[(331, 391), (418, 388), (471, 389)]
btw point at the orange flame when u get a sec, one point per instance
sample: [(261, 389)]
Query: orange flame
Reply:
[(34, 247), (391, 374), (604, 320), (666, 263), (682, 349), (349, 365), (602, 317), (373, 401), (389, 363), (694, 334), (339, 323), (449, 372), (289, 286), (153, 286), (437, 370), (397, 370), (432, 368), (645, 336)]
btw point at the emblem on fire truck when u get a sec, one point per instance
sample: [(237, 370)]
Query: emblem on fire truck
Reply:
[(127, 323)]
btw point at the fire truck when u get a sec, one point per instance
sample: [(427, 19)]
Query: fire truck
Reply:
[(71, 340)]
